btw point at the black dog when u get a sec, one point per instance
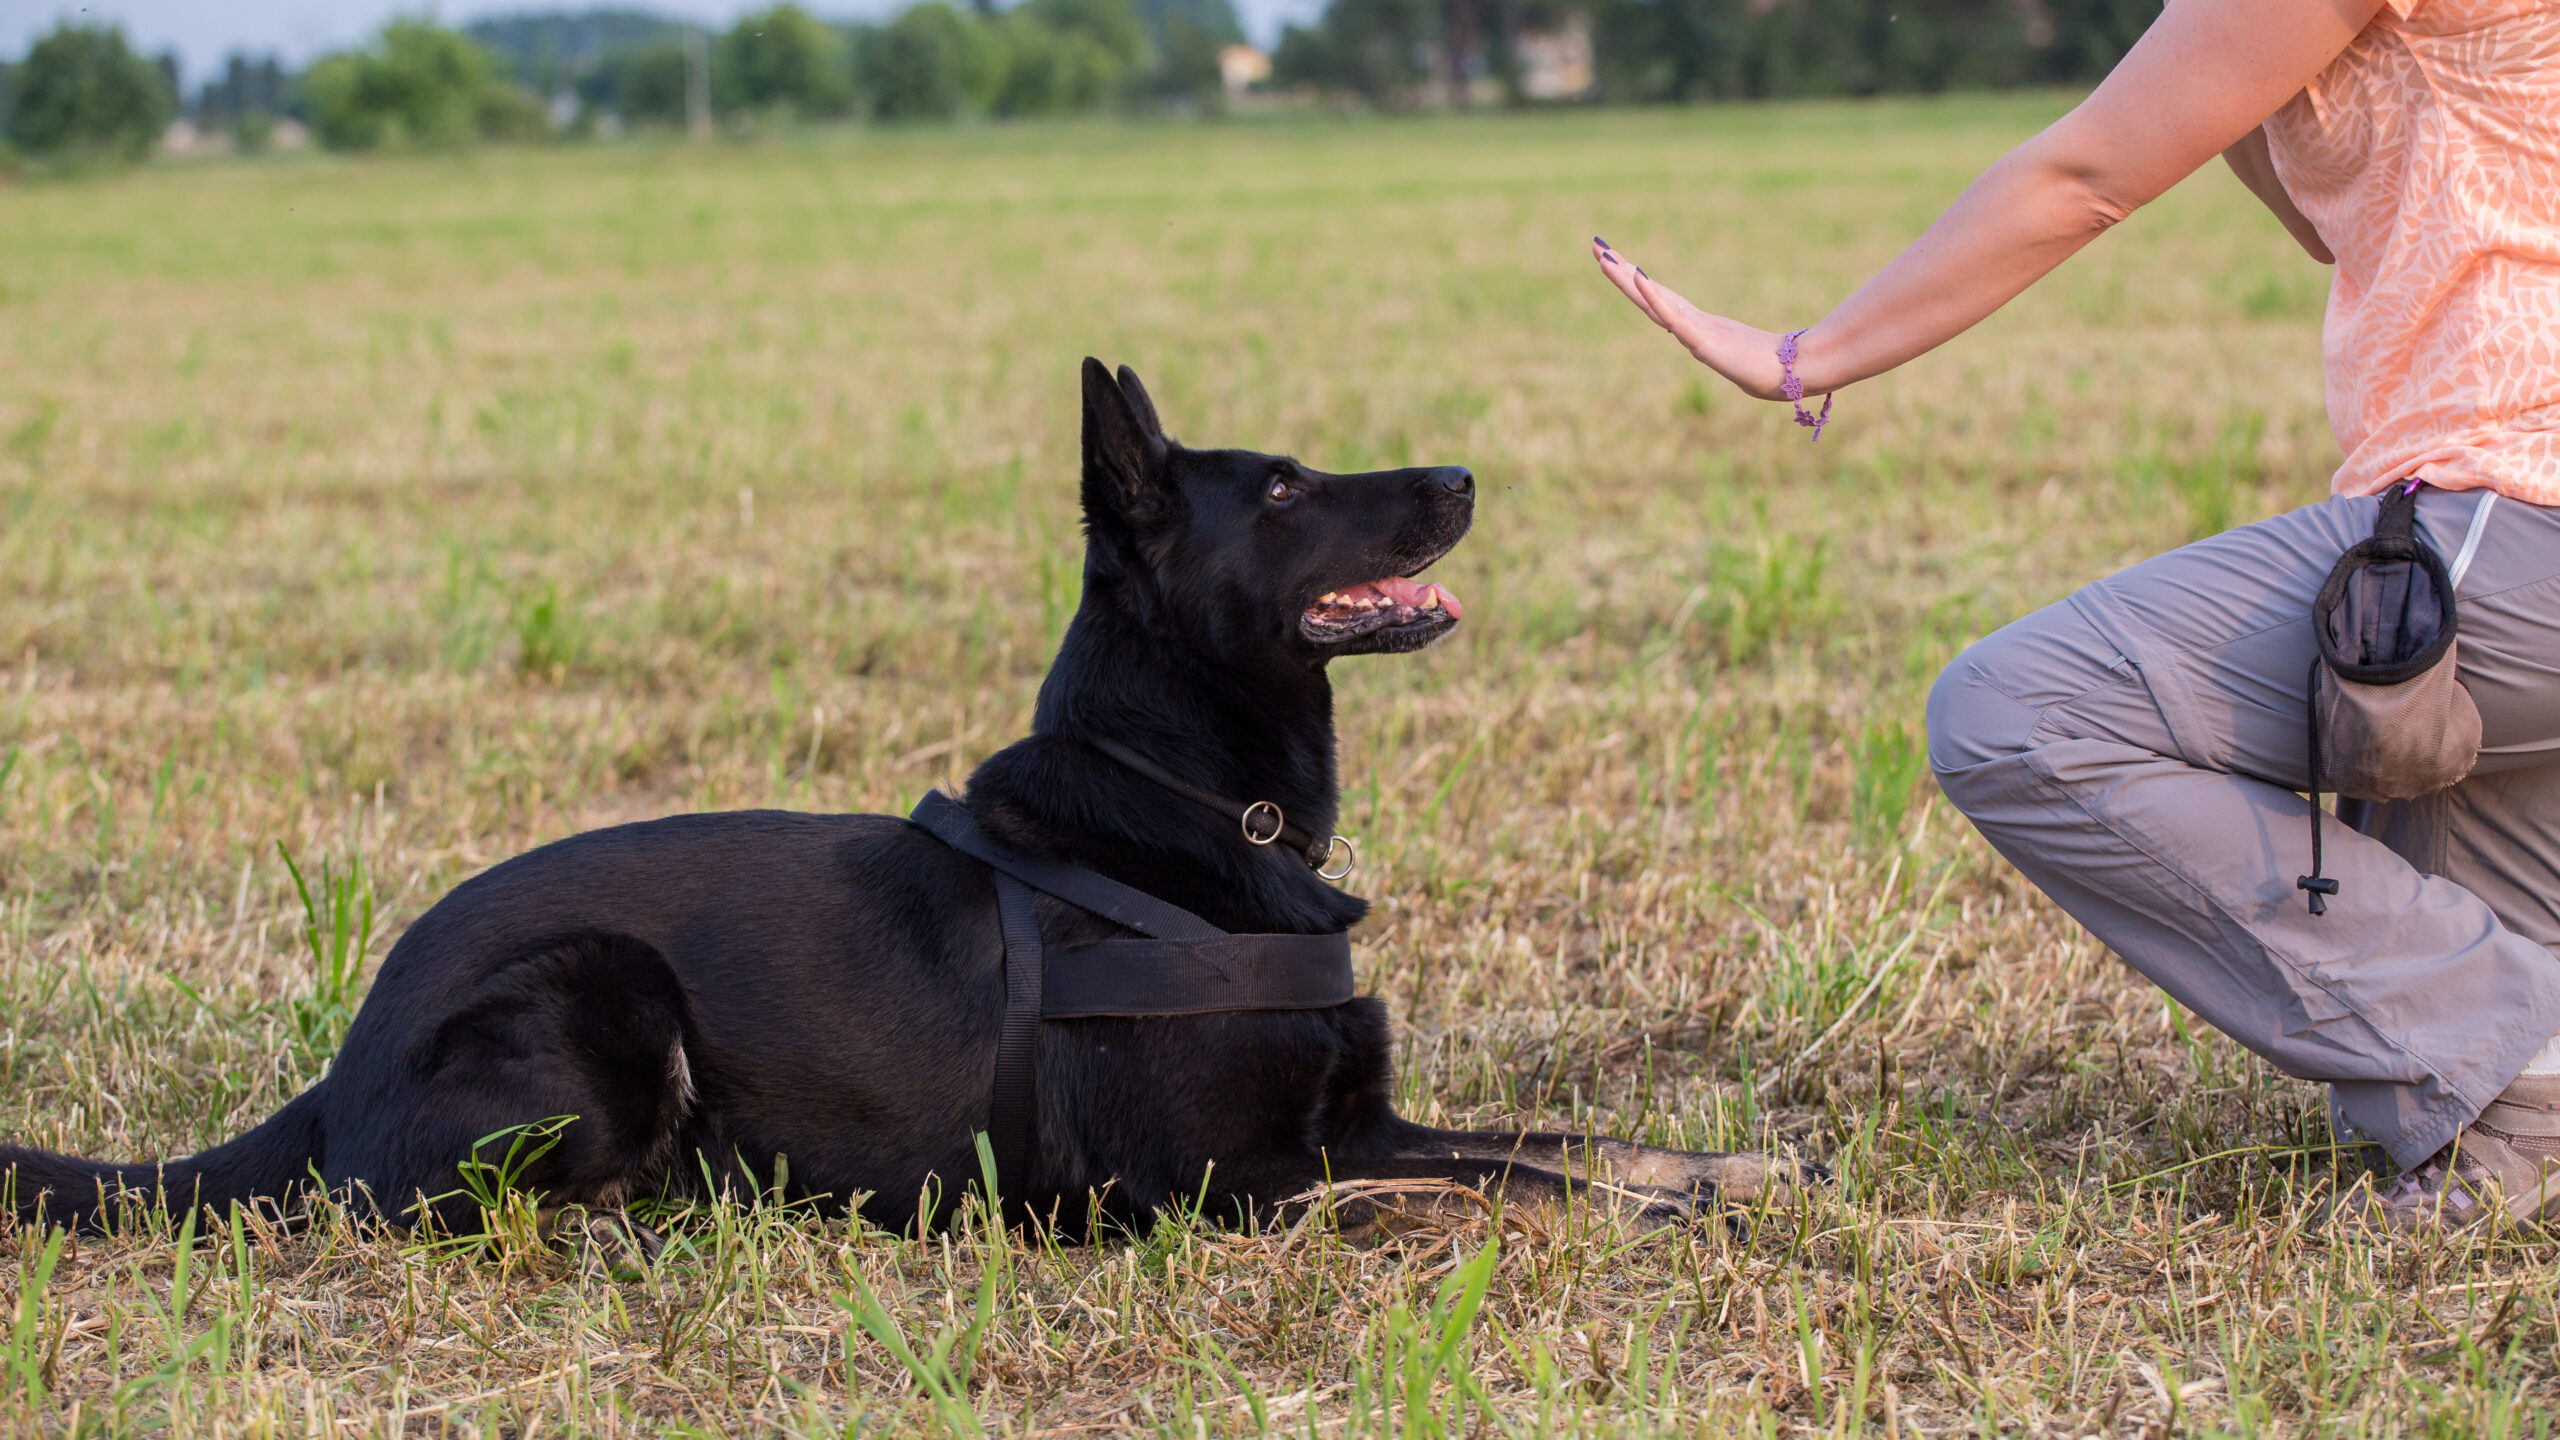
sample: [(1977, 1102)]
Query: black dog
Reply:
[(720, 999)]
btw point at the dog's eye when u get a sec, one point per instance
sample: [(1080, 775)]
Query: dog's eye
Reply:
[(1281, 491)]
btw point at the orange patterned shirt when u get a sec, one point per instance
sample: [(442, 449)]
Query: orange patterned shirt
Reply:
[(2428, 157)]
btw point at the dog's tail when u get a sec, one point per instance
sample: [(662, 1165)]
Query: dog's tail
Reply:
[(270, 1165)]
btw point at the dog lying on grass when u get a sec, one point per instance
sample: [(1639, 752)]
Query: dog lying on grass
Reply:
[(722, 1000)]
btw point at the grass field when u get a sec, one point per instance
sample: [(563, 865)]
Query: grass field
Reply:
[(409, 513)]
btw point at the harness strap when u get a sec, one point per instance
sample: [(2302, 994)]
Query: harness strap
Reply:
[(1199, 977), (951, 824), (1013, 1119), (1185, 966)]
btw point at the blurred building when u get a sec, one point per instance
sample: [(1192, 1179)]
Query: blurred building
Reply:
[(1556, 64), (1241, 67)]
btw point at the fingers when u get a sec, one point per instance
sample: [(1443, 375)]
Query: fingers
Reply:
[(1623, 274), (1660, 303), (1686, 322)]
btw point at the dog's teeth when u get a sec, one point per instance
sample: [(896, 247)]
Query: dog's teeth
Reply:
[(1431, 601), (1327, 598)]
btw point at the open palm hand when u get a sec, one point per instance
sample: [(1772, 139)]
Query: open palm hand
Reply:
[(1743, 354)]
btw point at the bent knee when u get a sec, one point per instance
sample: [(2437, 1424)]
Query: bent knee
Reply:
[(1974, 715)]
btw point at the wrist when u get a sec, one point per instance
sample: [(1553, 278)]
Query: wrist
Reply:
[(1813, 359), (1792, 386), (1747, 356)]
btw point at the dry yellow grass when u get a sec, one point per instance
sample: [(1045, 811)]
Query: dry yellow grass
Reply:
[(425, 510)]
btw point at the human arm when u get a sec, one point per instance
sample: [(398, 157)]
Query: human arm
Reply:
[(2195, 85)]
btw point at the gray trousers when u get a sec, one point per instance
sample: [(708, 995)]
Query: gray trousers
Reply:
[(2136, 751)]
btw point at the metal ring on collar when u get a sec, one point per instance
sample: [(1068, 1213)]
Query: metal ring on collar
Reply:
[(1350, 859), (1279, 822)]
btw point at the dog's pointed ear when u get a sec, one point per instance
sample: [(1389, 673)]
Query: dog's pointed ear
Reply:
[(1124, 450), (1140, 403)]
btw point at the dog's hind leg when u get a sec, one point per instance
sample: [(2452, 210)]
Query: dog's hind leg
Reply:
[(603, 1241), (564, 1074), (1387, 1196), (1729, 1178)]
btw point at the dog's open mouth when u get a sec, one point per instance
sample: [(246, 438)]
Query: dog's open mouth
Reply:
[(1394, 603)]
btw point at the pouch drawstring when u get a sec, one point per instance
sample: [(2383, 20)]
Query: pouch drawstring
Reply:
[(2317, 884)]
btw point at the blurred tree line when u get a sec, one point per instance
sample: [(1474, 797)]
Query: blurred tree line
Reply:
[(932, 61), (246, 100), (416, 84), (1398, 53), (83, 91)]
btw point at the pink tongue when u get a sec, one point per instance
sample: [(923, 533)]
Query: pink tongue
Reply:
[(1408, 592)]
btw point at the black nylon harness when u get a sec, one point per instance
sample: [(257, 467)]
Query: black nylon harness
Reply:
[(1183, 965)]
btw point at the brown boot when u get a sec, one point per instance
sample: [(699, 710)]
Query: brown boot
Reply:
[(2505, 1163)]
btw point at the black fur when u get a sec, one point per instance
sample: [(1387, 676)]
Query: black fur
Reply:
[(713, 996)]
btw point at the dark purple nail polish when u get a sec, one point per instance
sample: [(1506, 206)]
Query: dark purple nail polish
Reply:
[(1603, 244), (1640, 271)]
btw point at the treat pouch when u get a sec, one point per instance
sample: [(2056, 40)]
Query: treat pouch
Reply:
[(2389, 717), (2393, 721)]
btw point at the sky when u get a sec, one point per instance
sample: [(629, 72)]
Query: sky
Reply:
[(202, 32)]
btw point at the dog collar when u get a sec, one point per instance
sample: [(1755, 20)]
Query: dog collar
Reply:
[(1262, 822)]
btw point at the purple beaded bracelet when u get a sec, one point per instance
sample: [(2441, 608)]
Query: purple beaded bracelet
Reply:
[(1793, 388)]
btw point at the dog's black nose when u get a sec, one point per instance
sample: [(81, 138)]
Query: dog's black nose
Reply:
[(1456, 479)]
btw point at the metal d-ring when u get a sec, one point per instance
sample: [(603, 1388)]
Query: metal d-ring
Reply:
[(1350, 859), (1279, 822)]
